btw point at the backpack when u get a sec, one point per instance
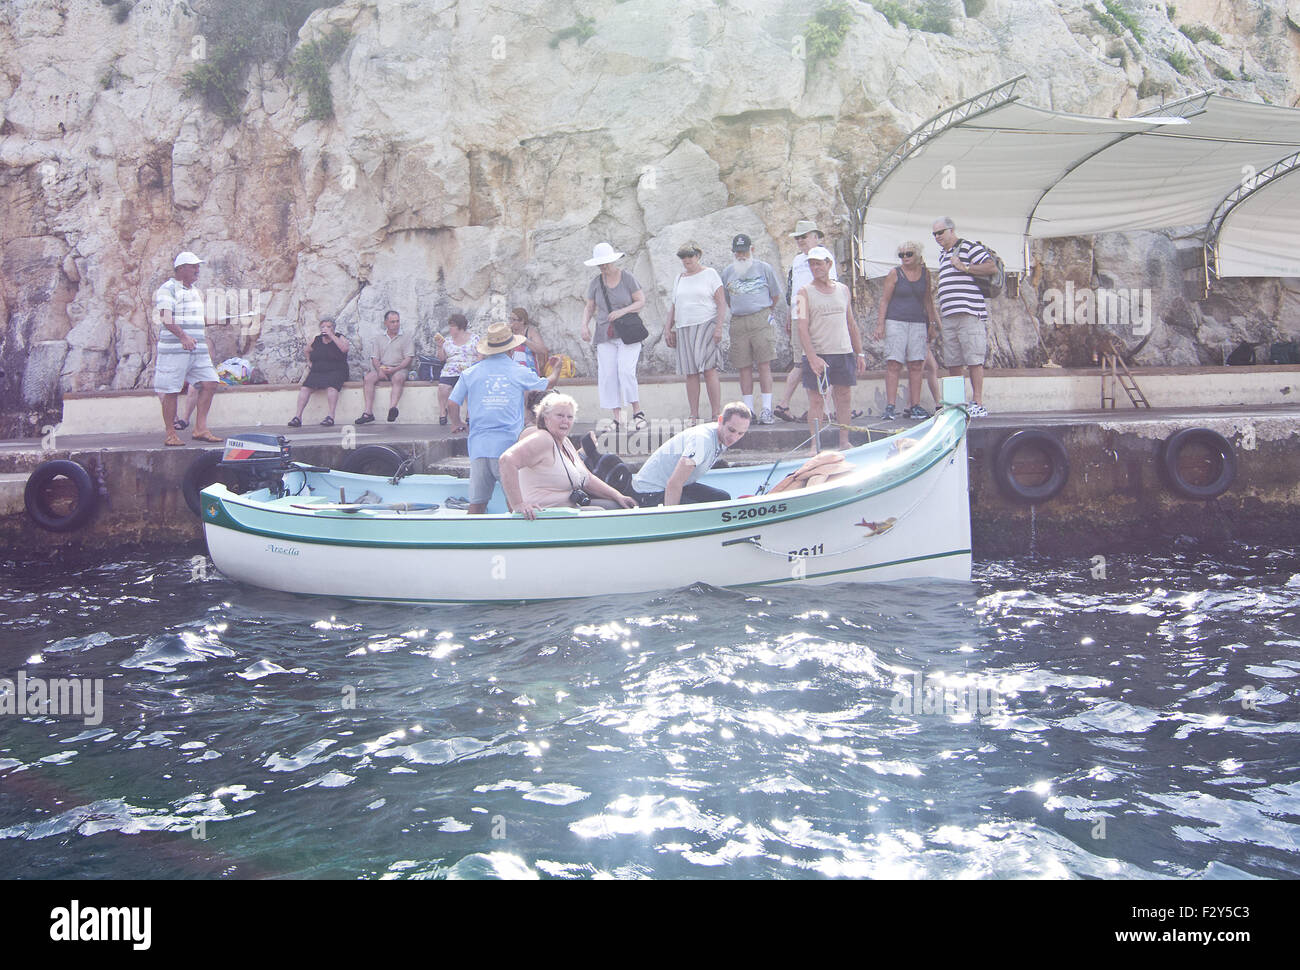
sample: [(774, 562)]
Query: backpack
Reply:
[(990, 285), (1284, 352), (1243, 356)]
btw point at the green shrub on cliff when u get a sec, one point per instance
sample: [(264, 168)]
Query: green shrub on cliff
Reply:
[(931, 16), (825, 33), (311, 71), (232, 36)]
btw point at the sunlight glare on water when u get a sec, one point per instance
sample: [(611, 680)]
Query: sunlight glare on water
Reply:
[(1037, 723)]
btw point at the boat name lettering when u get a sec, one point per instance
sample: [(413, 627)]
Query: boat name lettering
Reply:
[(753, 513), (806, 551), (282, 550)]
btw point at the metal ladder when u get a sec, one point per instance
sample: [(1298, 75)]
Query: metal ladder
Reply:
[(1115, 371)]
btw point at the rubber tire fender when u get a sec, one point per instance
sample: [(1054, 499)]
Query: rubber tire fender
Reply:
[(201, 473), (1173, 447), (34, 496), (378, 460), (1055, 451)]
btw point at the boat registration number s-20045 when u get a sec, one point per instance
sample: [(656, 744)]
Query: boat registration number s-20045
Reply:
[(753, 513)]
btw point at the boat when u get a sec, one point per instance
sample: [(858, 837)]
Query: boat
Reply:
[(901, 512)]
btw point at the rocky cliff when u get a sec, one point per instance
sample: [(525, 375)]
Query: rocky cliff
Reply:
[(477, 151)]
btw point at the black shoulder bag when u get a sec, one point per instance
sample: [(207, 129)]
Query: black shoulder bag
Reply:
[(629, 327)]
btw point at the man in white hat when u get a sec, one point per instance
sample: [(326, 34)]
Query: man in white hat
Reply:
[(183, 349), (806, 235), (495, 388)]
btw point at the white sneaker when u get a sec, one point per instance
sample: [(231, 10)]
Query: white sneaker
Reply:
[(766, 417), (977, 411)]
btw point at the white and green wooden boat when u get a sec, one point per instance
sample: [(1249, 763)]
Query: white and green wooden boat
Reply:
[(904, 513)]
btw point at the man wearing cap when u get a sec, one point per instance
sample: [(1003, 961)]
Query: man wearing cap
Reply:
[(753, 293), (832, 346), (183, 349), (495, 388), (390, 359), (806, 235)]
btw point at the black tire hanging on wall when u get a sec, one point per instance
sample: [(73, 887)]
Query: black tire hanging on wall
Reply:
[(1058, 472), (1220, 447), (201, 473), (372, 460), (37, 501)]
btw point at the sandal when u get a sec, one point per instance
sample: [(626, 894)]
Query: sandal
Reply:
[(295, 422), (180, 424), (783, 412), (442, 419), (173, 442), (639, 421), (328, 422), (205, 436), (460, 429)]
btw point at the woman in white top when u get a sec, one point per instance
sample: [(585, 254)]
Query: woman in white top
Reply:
[(542, 470), (694, 327)]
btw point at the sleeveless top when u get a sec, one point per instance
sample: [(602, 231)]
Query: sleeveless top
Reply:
[(828, 320), (549, 487), (459, 357), (908, 301)]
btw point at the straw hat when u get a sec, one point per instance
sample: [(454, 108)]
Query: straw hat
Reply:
[(601, 254), (499, 339)]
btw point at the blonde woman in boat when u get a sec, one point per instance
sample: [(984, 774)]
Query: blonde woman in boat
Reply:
[(542, 471)]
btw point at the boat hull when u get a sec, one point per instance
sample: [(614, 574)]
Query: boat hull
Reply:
[(910, 523)]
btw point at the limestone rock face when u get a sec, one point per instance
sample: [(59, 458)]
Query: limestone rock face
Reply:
[(478, 151)]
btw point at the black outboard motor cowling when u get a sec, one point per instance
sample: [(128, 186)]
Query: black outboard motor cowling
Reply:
[(259, 460)]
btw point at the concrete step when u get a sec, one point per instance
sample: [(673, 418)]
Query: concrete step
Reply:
[(11, 493)]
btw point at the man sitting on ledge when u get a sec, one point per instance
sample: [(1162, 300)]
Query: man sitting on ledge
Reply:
[(671, 475)]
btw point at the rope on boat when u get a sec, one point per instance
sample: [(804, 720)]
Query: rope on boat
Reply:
[(877, 529)]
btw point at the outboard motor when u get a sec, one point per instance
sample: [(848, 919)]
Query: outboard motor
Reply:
[(259, 461)]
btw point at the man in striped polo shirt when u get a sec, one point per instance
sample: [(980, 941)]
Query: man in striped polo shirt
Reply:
[(183, 349), (962, 307)]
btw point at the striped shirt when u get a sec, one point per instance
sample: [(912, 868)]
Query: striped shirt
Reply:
[(958, 292), (186, 307)]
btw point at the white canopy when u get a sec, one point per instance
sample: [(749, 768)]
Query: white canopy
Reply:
[(1010, 172)]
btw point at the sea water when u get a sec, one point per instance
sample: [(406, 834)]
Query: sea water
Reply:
[(1133, 718)]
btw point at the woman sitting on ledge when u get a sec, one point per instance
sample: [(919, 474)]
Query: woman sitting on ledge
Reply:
[(328, 357), (542, 471)]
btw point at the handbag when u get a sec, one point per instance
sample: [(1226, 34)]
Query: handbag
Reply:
[(629, 327)]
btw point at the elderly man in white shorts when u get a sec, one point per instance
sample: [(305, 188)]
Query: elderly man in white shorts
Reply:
[(183, 349)]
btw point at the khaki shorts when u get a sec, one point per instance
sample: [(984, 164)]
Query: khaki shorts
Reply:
[(171, 371), (904, 340), (751, 339), (965, 340)]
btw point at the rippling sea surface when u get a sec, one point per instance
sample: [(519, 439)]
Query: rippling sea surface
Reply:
[(1040, 721)]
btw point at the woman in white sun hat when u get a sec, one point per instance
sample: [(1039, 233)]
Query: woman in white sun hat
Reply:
[(612, 294)]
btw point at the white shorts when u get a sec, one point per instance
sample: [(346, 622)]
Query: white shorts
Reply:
[(171, 371)]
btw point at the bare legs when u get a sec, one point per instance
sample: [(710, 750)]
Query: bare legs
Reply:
[(842, 395)]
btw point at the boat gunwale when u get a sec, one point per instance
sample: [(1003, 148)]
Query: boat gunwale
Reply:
[(851, 490)]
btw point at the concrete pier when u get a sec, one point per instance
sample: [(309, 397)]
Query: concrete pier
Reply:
[(1114, 499)]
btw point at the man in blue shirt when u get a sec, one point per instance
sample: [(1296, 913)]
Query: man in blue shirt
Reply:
[(495, 388), (754, 294)]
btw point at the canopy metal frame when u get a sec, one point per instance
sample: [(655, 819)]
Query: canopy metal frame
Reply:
[(1248, 188), (1006, 93)]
